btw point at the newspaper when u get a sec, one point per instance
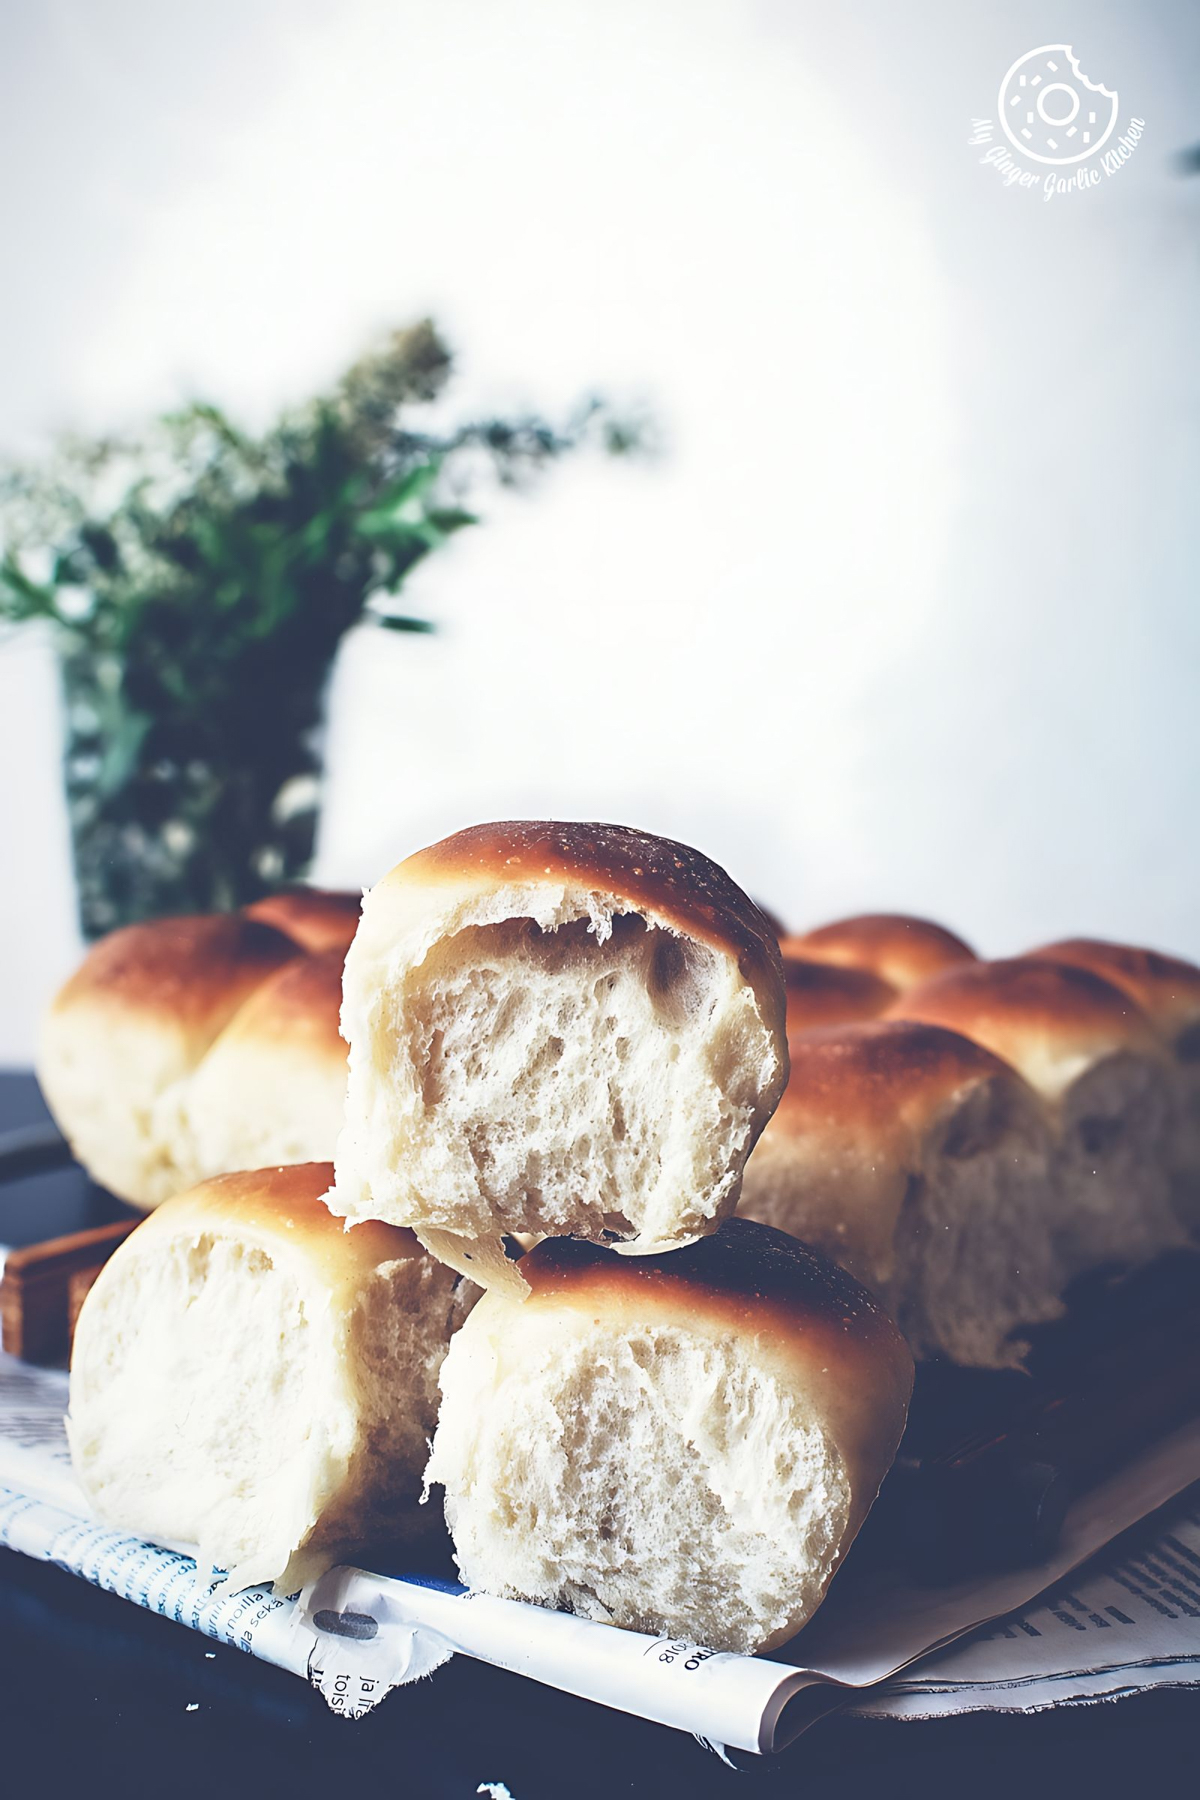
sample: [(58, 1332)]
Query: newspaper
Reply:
[(1129, 1620)]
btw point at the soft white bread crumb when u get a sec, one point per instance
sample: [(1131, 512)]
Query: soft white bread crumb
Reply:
[(250, 1378), (557, 1028), (682, 1444)]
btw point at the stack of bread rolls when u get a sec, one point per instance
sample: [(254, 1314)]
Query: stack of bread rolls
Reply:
[(662, 1417), (575, 1037)]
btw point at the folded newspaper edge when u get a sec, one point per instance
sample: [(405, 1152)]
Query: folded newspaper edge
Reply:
[(356, 1635)]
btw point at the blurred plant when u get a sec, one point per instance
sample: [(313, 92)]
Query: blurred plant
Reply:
[(198, 582)]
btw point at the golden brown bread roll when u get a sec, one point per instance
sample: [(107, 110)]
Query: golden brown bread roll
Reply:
[(556, 1028), (252, 1379), (133, 1029), (920, 1162), (898, 948), (683, 1444), (1104, 1074)]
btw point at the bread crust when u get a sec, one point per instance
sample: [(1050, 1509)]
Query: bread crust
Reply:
[(1050, 1020), (881, 1077), (897, 947), (852, 1129), (282, 1208), (297, 1007), (317, 919), (668, 882), (1165, 987), (139, 1020), (821, 994), (191, 973)]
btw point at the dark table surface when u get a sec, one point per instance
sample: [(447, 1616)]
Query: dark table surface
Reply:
[(98, 1697)]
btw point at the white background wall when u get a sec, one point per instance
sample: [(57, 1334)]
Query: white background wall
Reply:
[(907, 617)]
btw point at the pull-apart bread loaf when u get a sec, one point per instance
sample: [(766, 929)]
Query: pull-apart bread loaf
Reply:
[(250, 1378), (896, 947), (1168, 992), (1104, 1075), (556, 1028), (683, 1444), (920, 1162), (185, 1047)]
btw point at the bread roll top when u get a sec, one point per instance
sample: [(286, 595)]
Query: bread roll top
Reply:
[(1166, 988), (884, 1080), (820, 994), (185, 976), (195, 1022), (281, 1211), (315, 918), (295, 1009), (866, 1106), (1051, 1021), (898, 948), (628, 871)]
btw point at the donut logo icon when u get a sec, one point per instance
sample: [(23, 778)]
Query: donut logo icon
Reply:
[(1049, 109)]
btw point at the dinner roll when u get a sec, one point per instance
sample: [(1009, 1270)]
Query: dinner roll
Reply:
[(252, 1379), (820, 994), (556, 1028), (1091, 1053), (682, 1444), (137, 1016), (317, 919), (1168, 991), (899, 949), (271, 1088), (919, 1161)]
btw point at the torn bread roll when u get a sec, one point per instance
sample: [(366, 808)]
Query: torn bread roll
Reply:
[(253, 1379), (1104, 1074), (124, 1050), (683, 1444), (920, 1162), (896, 947), (556, 1028)]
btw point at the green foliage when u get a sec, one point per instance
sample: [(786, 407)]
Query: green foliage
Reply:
[(198, 581)]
